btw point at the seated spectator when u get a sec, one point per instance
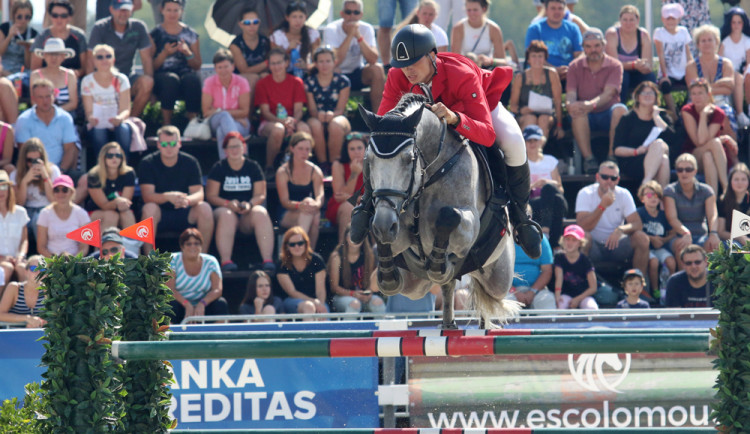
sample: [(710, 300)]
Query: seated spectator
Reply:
[(33, 180), (640, 136), (111, 185), (735, 44), (7, 144), (195, 280), (327, 95), (250, 49), (593, 96), (690, 287), (672, 44), (106, 101), (613, 228), (23, 301), (707, 138), (633, 283), (478, 37), (302, 274), (112, 244), (73, 37), (547, 200), (299, 184), (259, 299), (237, 190), (536, 95), (346, 181), (297, 39), (58, 219), (226, 100), (177, 59), (50, 124), (425, 14), (717, 70), (79, 16), (690, 207), (172, 189), (14, 240), (349, 270), (575, 279), (562, 37), (16, 37), (736, 197), (660, 232), (8, 101), (531, 277), (356, 51), (281, 98), (63, 79), (631, 45)]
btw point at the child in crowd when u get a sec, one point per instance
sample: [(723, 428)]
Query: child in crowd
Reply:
[(672, 44), (659, 232), (575, 280), (633, 283), (259, 299)]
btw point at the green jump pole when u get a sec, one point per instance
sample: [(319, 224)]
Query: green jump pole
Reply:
[(454, 430)]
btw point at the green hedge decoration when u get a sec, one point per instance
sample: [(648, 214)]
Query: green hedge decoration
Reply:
[(82, 386), (730, 276), (145, 306), (15, 419)]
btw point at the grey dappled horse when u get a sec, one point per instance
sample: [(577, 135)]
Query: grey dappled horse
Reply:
[(429, 196)]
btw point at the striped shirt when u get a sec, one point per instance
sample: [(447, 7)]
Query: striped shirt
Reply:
[(194, 288), (20, 308)]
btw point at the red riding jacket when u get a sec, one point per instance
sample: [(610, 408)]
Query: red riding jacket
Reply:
[(472, 93)]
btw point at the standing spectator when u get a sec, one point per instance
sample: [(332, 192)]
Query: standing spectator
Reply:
[(696, 12), (562, 37), (659, 231), (63, 79), (226, 100), (531, 277), (449, 12), (639, 137), (690, 207), (250, 49), (607, 213), (575, 279), (259, 299), (346, 180), (356, 54), (672, 44), (299, 183), (172, 188), (177, 58), (51, 124), (195, 280), (478, 37), (425, 14), (106, 101), (16, 36), (296, 38), (736, 197), (631, 45), (690, 287), (23, 301), (7, 145), (156, 10), (33, 179), (349, 270), (593, 96), (59, 218), (327, 95), (302, 274), (127, 36), (14, 240), (111, 184), (281, 98), (237, 190), (633, 283), (386, 18), (735, 46), (74, 37)]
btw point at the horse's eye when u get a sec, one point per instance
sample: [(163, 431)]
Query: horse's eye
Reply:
[(407, 156)]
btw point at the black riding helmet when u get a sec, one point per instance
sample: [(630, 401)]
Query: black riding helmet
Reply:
[(410, 44)]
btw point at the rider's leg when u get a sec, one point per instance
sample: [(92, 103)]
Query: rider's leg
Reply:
[(527, 233), (362, 213)]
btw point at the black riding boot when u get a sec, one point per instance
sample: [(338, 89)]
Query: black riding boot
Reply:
[(527, 232), (362, 213)]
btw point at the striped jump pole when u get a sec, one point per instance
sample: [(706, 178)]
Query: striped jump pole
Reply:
[(690, 430), (412, 346)]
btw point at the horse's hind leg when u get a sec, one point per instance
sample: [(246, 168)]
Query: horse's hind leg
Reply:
[(449, 320), (437, 267), (389, 279)]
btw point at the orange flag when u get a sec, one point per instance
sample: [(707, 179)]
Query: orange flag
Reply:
[(90, 234), (141, 231)]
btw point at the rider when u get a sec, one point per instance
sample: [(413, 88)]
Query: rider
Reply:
[(468, 98)]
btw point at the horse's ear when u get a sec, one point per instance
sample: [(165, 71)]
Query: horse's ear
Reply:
[(370, 118), (413, 119)]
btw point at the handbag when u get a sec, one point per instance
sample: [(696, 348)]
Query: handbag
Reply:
[(539, 103), (198, 129)]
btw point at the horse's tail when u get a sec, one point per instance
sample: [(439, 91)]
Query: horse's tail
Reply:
[(488, 307)]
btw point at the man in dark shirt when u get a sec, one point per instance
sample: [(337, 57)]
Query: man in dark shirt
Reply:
[(172, 189), (690, 288)]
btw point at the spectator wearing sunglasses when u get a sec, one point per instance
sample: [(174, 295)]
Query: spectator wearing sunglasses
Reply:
[(110, 187), (302, 274), (23, 301), (58, 219), (32, 180), (172, 189), (14, 242), (16, 36), (250, 49), (61, 13), (112, 244), (607, 213), (690, 287)]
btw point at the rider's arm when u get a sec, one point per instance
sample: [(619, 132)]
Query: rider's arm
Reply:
[(475, 121)]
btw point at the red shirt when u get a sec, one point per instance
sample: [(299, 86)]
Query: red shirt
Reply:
[(288, 92), (472, 93)]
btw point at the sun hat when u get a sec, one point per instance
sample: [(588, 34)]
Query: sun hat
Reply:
[(55, 45)]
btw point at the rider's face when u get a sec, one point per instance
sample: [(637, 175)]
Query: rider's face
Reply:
[(419, 71)]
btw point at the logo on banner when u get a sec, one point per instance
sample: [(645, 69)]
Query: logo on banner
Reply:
[(599, 372), (87, 234), (142, 231)]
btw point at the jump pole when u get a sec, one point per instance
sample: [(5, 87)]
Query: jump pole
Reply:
[(412, 346), (457, 430)]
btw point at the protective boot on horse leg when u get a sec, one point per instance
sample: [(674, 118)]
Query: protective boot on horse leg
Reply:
[(362, 213)]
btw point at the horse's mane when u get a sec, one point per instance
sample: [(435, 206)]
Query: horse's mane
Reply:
[(408, 100)]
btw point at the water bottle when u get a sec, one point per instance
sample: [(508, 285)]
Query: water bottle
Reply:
[(294, 57), (281, 112)]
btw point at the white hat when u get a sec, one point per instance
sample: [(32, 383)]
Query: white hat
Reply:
[(55, 45)]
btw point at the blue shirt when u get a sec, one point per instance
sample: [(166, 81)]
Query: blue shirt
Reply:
[(655, 226), (527, 270), (561, 42), (59, 131)]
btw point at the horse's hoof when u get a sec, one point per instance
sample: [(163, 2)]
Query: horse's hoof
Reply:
[(389, 284), (440, 278), (449, 326)]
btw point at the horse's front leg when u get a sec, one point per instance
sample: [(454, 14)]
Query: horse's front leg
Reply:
[(439, 269), (449, 320), (389, 278)]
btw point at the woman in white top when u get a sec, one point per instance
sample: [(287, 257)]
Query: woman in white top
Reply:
[(33, 179), (106, 100), (14, 243), (296, 38), (425, 14), (735, 46), (58, 219), (478, 37)]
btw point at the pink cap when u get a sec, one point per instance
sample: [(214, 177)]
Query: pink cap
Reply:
[(672, 10), (575, 231), (63, 180)]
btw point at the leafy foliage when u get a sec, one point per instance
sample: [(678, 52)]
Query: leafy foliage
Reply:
[(15, 419)]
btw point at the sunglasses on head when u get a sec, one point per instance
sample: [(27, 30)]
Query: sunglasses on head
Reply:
[(60, 190), (4, 187), (684, 169), (352, 12), (355, 136), (63, 15), (111, 251), (103, 56), (171, 143), (698, 262), (112, 155), (296, 244), (23, 17), (33, 268), (251, 22), (608, 177)]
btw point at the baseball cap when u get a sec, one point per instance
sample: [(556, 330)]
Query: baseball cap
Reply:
[(575, 231), (633, 272), (122, 4), (672, 10), (64, 180), (533, 132), (111, 234), (593, 34)]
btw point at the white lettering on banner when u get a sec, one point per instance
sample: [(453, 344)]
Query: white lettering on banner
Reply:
[(219, 371), (250, 374), (255, 398), (279, 407), (186, 406), (196, 407), (209, 415), (303, 401), (199, 377)]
